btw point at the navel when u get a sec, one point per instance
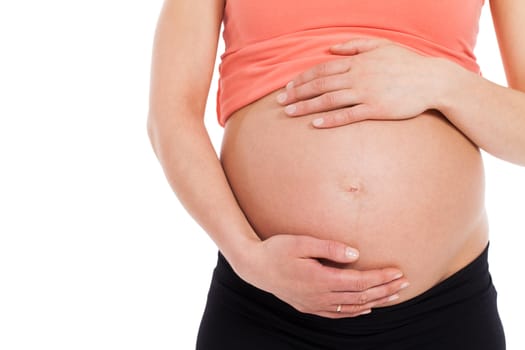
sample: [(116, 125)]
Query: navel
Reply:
[(352, 185)]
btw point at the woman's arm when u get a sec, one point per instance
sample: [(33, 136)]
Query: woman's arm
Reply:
[(489, 114), (285, 265), (492, 116), (182, 66)]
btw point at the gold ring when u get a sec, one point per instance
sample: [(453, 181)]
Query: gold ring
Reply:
[(339, 307)]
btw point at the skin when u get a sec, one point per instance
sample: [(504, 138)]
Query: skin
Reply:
[(186, 41), (381, 80), (406, 193)]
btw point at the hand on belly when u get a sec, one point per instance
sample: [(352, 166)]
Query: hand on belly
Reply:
[(377, 79), (289, 267)]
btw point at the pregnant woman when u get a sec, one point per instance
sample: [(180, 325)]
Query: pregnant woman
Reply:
[(348, 199)]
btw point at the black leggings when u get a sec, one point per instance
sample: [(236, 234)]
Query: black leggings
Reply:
[(460, 313)]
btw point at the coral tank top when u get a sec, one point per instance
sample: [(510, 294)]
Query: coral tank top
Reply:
[(267, 43)]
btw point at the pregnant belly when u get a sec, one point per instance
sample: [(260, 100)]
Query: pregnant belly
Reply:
[(405, 193)]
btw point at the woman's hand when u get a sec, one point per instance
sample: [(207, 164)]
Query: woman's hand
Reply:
[(289, 267), (378, 80)]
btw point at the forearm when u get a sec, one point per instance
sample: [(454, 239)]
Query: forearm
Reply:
[(183, 57), (492, 116), (195, 174)]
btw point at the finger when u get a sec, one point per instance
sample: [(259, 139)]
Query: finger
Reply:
[(310, 247), (356, 309), (317, 87), (347, 280), (344, 116), (381, 294), (338, 315), (357, 46), (353, 310), (345, 304), (321, 70), (324, 103)]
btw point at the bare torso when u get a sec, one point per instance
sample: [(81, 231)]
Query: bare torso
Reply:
[(408, 194)]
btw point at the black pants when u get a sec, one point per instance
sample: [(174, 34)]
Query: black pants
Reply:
[(459, 313)]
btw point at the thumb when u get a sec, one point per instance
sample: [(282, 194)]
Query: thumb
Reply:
[(328, 249), (357, 46)]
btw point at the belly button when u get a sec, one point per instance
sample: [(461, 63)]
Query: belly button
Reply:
[(353, 189), (353, 186)]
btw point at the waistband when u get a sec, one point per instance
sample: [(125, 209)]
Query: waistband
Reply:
[(466, 285)]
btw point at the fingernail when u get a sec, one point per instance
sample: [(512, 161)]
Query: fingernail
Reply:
[(398, 275), (393, 297), (404, 285), (282, 97), (290, 85), (338, 46), (318, 122), (366, 312), (290, 109), (351, 253)]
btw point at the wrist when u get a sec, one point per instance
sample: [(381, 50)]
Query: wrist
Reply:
[(450, 82), (241, 253)]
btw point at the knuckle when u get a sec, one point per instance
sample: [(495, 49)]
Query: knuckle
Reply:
[(362, 298), (332, 249), (347, 114), (329, 100), (319, 84), (360, 283), (353, 309), (321, 70)]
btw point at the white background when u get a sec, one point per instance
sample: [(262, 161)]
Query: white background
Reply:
[(95, 250)]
